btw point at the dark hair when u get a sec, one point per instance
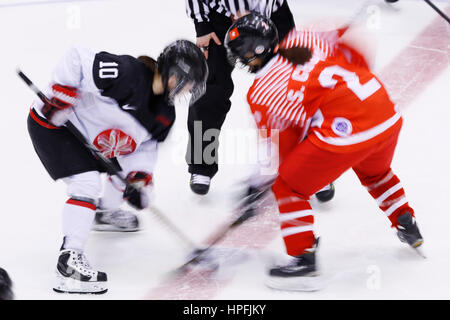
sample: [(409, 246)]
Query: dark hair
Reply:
[(296, 55), (149, 62)]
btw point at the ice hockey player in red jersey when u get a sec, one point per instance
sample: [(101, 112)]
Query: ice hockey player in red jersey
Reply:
[(124, 106), (331, 114)]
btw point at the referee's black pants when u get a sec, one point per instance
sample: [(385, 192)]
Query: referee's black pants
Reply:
[(207, 115)]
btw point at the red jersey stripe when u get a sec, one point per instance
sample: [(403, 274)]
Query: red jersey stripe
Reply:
[(82, 204)]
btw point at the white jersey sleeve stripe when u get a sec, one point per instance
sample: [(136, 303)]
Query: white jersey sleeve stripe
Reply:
[(273, 92), (277, 101), (275, 89), (309, 39), (280, 93), (282, 65), (262, 91), (360, 136), (276, 104)]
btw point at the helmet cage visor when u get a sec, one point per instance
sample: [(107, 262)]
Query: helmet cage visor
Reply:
[(186, 89), (241, 53)]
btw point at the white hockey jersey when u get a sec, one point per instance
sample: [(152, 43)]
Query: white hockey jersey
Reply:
[(116, 110)]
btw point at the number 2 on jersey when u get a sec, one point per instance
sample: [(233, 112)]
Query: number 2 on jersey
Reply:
[(362, 91)]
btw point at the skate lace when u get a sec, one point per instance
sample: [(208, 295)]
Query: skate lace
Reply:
[(83, 265), (200, 179)]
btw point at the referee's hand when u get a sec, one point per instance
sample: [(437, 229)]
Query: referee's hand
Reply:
[(203, 42)]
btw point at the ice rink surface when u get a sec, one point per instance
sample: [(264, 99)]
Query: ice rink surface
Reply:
[(360, 255)]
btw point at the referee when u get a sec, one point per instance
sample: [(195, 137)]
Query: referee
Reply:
[(212, 18)]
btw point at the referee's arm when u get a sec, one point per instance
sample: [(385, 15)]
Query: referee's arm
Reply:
[(198, 11)]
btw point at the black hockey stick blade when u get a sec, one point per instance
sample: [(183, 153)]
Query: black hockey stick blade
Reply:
[(198, 255)]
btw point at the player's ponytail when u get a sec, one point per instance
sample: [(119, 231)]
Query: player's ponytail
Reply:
[(296, 55), (149, 62)]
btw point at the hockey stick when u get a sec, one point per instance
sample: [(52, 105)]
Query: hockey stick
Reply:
[(434, 7), (109, 166), (442, 14), (107, 163), (241, 216), (353, 19), (112, 170)]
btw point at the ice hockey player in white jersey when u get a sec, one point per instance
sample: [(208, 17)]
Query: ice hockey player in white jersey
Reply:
[(124, 106)]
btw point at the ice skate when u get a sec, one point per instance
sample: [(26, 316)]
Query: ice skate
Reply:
[(116, 220), (408, 232), (300, 274), (6, 292), (200, 184), (74, 275), (326, 194)]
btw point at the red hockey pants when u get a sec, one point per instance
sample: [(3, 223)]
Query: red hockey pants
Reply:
[(308, 168)]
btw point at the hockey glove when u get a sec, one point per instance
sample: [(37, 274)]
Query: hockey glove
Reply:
[(57, 109), (135, 192), (252, 201)]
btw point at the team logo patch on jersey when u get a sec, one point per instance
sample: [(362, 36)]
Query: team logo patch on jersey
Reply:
[(342, 127), (234, 34), (114, 142), (259, 49)]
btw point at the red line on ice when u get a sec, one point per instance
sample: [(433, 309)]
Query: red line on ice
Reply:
[(254, 234), (405, 78)]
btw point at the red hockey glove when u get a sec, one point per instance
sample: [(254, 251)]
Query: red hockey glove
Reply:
[(57, 110), (135, 192)]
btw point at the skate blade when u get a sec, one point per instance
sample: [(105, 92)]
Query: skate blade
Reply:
[(419, 250), (110, 228), (303, 284), (78, 292), (74, 286)]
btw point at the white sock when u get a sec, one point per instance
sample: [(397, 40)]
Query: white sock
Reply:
[(78, 217), (112, 195), (79, 211)]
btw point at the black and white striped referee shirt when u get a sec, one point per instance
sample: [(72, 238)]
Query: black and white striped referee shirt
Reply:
[(198, 10)]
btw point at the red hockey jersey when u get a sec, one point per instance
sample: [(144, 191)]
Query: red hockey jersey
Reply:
[(333, 98)]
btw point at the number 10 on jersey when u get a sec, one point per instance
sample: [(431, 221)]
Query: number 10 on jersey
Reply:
[(108, 70)]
